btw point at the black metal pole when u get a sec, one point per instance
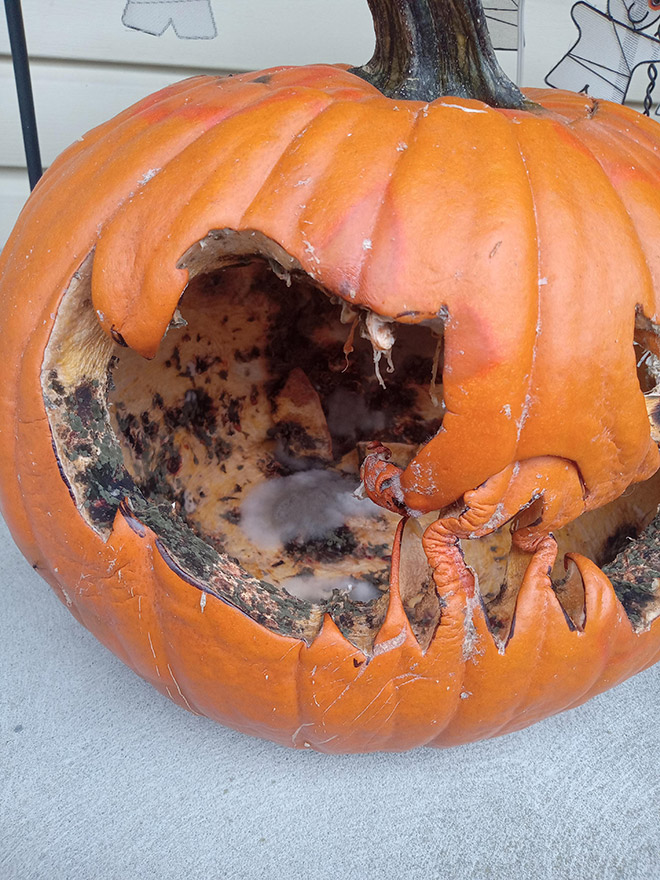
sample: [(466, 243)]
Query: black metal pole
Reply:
[(24, 89)]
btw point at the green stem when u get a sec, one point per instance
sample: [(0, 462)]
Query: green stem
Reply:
[(429, 48)]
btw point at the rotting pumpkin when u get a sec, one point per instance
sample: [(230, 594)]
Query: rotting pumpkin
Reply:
[(196, 301)]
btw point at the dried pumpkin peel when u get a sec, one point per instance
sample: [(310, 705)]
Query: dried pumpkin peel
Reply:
[(245, 298)]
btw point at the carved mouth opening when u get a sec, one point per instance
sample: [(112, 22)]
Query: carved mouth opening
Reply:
[(240, 443), (240, 446), (253, 418)]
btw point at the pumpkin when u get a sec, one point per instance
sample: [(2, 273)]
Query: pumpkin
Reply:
[(244, 297)]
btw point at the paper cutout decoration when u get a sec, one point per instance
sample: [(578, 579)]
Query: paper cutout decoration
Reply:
[(504, 21), (191, 19), (609, 47)]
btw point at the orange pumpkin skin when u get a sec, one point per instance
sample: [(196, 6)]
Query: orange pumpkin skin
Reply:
[(229, 153)]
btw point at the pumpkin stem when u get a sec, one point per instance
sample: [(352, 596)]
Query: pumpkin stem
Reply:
[(429, 48)]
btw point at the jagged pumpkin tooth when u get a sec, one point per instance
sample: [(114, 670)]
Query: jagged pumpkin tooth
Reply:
[(395, 631), (221, 664), (135, 613), (625, 651), (475, 668), (568, 666), (497, 676), (561, 663), (398, 698), (539, 671), (330, 669)]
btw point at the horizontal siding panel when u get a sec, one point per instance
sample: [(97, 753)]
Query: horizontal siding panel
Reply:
[(254, 34), (549, 34), (251, 34), (14, 190)]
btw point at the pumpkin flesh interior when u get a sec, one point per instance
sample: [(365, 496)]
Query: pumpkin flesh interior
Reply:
[(240, 446), (251, 419)]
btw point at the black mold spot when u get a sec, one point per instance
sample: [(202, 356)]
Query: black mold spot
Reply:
[(173, 463), (130, 428), (244, 357), (635, 575), (84, 399), (616, 543), (232, 516), (175, 360), (293, 434), (232, 414), (222, 449), (380, 577), (203, 364), (57, 386), (334, 546), (198, 413)]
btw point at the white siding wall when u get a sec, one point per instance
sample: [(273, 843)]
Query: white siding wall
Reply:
[(86, 66)]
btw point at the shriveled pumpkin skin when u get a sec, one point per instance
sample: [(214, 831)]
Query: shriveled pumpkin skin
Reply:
[(531, 232)]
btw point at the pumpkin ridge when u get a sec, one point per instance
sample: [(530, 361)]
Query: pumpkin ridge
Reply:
[(579, 136), (132, 310), (627, 125), (623, 115), (278, 216), (527, 400), (168, 647), (291, 145), (621, 145), (378, 219)]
